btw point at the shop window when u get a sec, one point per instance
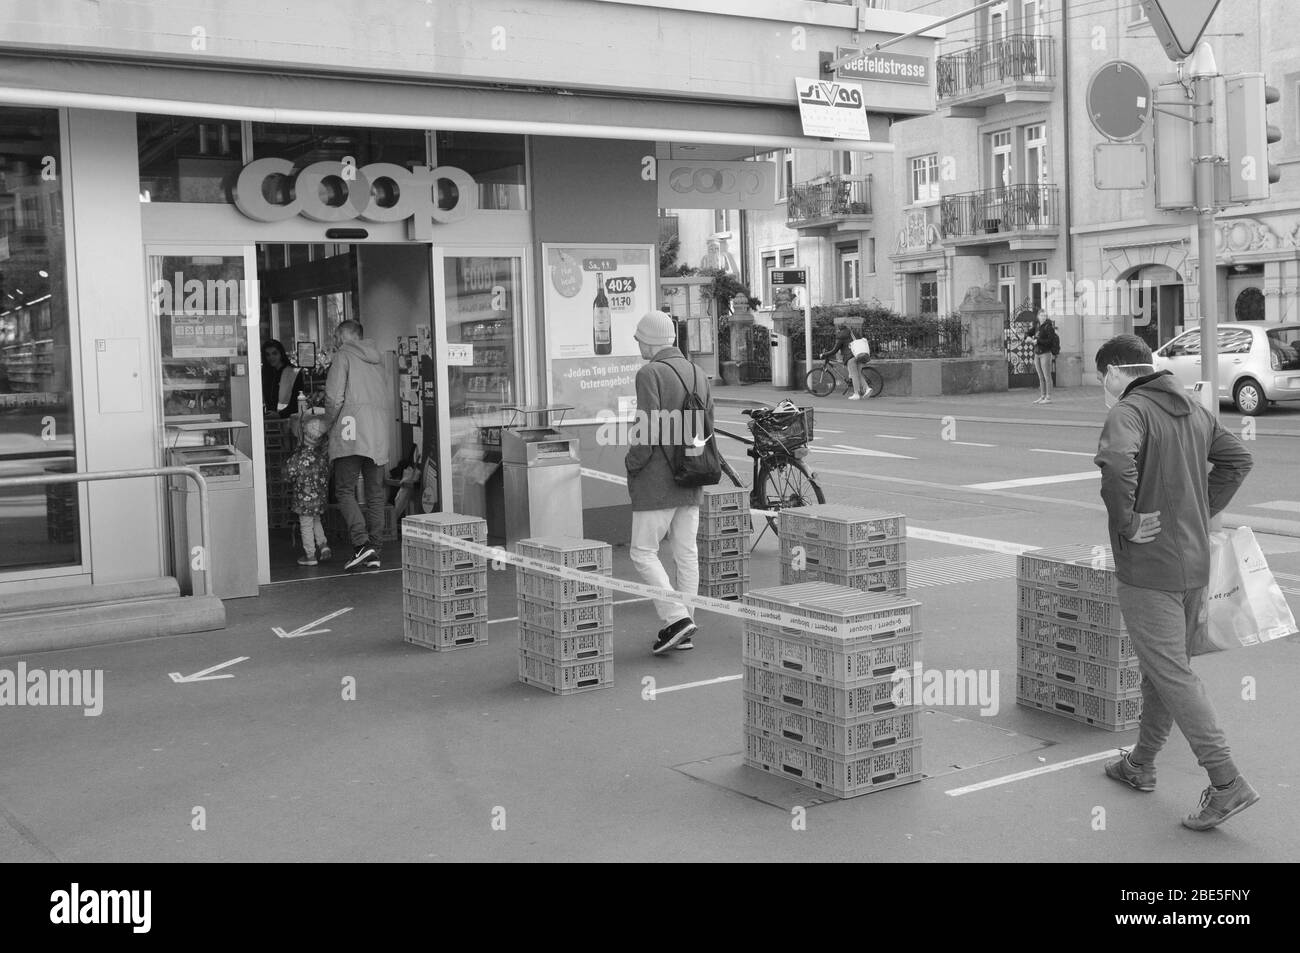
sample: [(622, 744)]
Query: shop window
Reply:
[(495, 160), (40, 526), (188, 160)]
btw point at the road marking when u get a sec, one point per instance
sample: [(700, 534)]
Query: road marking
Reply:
[(709, 681), (970, 542), (967, 443), (1032, 772), (1291, 506), (303, 629), (206, 675), (845, 450), (949, 570), (1035, 481), (883, 436), (1070, 453)]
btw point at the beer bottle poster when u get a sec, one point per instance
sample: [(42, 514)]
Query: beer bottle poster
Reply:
[(594, 296)]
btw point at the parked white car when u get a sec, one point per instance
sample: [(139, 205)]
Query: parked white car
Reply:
[(1258, 363)]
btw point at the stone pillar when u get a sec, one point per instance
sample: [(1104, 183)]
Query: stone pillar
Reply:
[(982, 322)]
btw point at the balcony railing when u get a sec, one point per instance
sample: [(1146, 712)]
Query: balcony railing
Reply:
[(1011, 208), (1022, 57), (828, 199)]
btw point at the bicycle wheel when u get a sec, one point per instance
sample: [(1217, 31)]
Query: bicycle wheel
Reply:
[(820, 381), (875, 384), (784, 482)]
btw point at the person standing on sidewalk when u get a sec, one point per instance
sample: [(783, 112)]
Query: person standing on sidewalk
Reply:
[(1047, 344), (660, 508), (1153, 453), (357, 399), (842, 346)]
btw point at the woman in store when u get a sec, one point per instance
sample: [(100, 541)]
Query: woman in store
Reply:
[(281, 381)]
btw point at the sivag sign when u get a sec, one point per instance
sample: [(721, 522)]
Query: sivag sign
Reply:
[(687, 184), (268, 190)]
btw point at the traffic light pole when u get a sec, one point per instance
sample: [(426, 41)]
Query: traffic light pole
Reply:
[(1203, 148)]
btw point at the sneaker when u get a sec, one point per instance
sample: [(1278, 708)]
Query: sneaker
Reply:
[(1039, 400), (1046, 400), (855, 396), (1141, 778), (306, 561), (325, 554), (673, 634), (360, 556), (373, 562), (1217, 806), (686, 644)]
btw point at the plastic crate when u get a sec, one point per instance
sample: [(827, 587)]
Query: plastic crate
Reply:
[(843, 665), (717, 570), (583, 618), (1112, 647), (1090, 611), (873, 733), (417, 605), (1113, 681), (726, 547), (721, 525), (574, 647), (444, 636), (877, 697), (845, 611), (565, 678), (728, 590), (836, 523), (846, 557), (588, 555), (843, 777), (450, 524), (557, 592), (724, 499), (1113, 714), (443, 585), (887, 581), (434, 557), (1074, 569)]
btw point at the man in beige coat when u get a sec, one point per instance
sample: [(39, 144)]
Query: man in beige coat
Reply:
[(357, 399)]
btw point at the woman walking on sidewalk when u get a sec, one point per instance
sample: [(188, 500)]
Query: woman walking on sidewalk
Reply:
[(1046, 346)]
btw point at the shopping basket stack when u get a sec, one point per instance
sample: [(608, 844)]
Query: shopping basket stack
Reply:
[(444, 587), (723, 542), (845, 545)]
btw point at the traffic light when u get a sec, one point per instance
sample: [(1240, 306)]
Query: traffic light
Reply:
[(1175, 173), (1249, 136)]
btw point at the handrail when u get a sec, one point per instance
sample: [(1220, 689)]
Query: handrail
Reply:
[(205, 523)]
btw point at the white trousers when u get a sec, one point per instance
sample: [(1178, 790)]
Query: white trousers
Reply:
[(679, 525)]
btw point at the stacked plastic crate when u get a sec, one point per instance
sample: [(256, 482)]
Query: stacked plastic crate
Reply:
[(845, 545), (723, 543), (1074, 657), (834, 709), (566, 626), (444, 588)]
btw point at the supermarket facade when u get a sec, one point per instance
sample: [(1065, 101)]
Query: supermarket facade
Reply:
[(182, 185)]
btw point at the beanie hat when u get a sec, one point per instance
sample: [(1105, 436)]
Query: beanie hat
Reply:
[(656, 329)]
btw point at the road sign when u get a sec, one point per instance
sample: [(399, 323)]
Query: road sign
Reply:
[(797, 276), (1119, 100), (1119, 165), (1178, 24)]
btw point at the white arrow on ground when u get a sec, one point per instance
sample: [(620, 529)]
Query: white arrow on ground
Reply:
[(206, 675), (307, 629)]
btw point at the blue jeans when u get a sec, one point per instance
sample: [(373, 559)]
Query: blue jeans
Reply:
[(1167, 629), (368, 528)]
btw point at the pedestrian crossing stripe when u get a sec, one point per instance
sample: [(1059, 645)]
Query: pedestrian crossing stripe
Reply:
[(947, 570)]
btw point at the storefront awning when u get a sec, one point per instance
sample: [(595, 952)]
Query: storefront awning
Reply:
[(363, 101)]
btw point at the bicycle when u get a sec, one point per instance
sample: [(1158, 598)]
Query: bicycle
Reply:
[(778, 446), (822, 381)]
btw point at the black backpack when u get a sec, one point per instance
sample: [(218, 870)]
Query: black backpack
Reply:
[(702, 468)]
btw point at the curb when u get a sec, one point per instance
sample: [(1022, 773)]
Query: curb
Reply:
[(1263, 524)]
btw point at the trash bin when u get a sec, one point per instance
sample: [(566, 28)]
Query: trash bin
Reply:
[(232, 550), (782, 359), (543, 475)]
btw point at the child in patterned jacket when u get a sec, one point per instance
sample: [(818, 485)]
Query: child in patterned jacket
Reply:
[(308, 470)]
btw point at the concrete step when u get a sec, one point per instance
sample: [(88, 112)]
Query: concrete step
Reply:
[(81, 625), (40, 600)]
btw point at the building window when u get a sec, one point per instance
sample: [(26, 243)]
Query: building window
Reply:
[(769, 262), (869, 256), (495, 160), (1038, 282), (927, 293), (188, 160), (1000, 165), (925, 178), (1007, 288), (40, 526), (1135, 13), (785, 175), (850, 272)]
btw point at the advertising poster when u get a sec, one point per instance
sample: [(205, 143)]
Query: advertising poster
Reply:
[(594, 296), (198, 336)]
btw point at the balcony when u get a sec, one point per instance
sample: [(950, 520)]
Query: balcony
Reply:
[(1020, 217), (832, 203), (1017, 68)]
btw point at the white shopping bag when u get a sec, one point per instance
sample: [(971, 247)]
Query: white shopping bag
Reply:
[(1245, 605)]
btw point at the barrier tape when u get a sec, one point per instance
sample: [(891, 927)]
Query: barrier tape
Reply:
[(892, 622), (622, 481)]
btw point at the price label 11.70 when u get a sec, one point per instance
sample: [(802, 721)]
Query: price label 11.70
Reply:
[(621, 302)]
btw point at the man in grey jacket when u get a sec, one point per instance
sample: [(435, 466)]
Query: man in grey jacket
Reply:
[(357, 399), (660, 508), (1153, 453)]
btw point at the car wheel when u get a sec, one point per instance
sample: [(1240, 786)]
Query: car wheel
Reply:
[(1248, 397)]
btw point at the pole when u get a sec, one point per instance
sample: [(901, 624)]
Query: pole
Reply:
[(833, 65), (1203, 147)]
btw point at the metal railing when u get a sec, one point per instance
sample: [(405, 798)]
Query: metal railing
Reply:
[(205, 520), (990, 211), (1021, 57), (829, 198)]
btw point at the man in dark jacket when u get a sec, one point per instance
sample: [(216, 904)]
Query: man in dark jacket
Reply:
[(1153, 453), (660, 508)]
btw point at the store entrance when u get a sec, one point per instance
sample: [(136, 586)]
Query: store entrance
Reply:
[(305, 292)]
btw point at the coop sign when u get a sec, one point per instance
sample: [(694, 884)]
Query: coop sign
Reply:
[(268, 190)]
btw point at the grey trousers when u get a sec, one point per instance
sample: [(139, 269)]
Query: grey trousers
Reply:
[(1167, 629), (368, 527)]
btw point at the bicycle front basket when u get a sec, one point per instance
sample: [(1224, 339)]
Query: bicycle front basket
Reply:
[(783, 431)]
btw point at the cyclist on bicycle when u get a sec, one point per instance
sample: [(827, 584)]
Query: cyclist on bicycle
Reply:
[(843, 336)]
